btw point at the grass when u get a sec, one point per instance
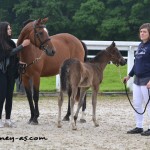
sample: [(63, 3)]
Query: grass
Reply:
[(48, 84), (111, 80), (113, 76)]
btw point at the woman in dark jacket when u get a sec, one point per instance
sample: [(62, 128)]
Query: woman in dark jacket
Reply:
[(8, 70), (141, 73)]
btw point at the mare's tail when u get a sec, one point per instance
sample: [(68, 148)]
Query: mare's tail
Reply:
[(86, 51), (64, 75)]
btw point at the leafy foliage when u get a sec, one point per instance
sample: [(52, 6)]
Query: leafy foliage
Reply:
[(87, 19)]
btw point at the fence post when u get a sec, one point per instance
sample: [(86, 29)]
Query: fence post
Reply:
[(130, 63)]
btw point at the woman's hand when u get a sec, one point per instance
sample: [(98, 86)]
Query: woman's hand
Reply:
[(22, 63), (26, 42), (126, 79)]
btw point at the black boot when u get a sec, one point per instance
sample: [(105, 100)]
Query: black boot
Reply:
[(146, 133), (135, 131)]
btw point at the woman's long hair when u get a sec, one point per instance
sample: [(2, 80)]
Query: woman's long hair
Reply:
[(4, 37)]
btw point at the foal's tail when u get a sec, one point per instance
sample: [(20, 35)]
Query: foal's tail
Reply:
[(64, 75), (86, 51)]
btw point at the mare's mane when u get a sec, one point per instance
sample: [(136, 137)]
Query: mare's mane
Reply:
[(27, 21), (25, 30)]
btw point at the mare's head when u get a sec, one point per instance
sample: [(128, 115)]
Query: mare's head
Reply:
[(116, 56), (37, 33)]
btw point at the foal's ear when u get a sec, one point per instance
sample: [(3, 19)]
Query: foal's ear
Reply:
[(113, 44), (44, 20)]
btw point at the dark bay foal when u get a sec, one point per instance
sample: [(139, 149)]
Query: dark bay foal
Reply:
[(75, 74)]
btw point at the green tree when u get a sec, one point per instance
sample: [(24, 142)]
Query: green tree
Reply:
[(6, 12), (23, 10), (87, 19), (114, 25), (138, 16), (35, 9)]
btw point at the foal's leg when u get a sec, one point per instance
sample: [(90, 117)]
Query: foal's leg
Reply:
[(28, 89), (66, 118), (72, 102), (81, 101), (94, 102), (60, 102), (82, 119)]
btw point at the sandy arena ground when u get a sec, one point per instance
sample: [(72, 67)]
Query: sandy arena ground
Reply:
[(114, 114)]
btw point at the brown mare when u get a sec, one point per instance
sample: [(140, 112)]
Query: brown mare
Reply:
[(75, 74), (64, 46)]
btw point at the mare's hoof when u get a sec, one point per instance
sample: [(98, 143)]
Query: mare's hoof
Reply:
[(82, 120), (66, 118), (34, 123), (29, 122)]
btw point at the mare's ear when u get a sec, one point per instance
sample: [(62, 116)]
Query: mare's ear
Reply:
[(113, 44), (44, 20), (38, 22)]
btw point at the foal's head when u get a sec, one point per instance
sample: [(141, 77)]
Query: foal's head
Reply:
[(38, 35), (116, 56)]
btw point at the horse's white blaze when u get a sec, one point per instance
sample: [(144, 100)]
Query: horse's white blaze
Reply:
[(45, 30)]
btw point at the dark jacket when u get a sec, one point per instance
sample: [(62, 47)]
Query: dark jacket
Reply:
[(141, 66), (9, 60)]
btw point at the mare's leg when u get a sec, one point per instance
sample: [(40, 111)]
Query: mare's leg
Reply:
[(60, 102), (80, 103), (36, 84), (27, 86), (66, 118), (94, 102)]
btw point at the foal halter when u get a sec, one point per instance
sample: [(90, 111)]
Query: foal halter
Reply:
[(112, 56), (37, 34)]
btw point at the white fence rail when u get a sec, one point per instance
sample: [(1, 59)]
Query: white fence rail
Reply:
[(130, 47)]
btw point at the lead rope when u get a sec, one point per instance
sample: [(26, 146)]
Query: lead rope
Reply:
[(22, 68), (128, 95), (129, 98), (132, 104), (120, 74)]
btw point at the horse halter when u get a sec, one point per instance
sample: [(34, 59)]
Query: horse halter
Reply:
[(37, 34)]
